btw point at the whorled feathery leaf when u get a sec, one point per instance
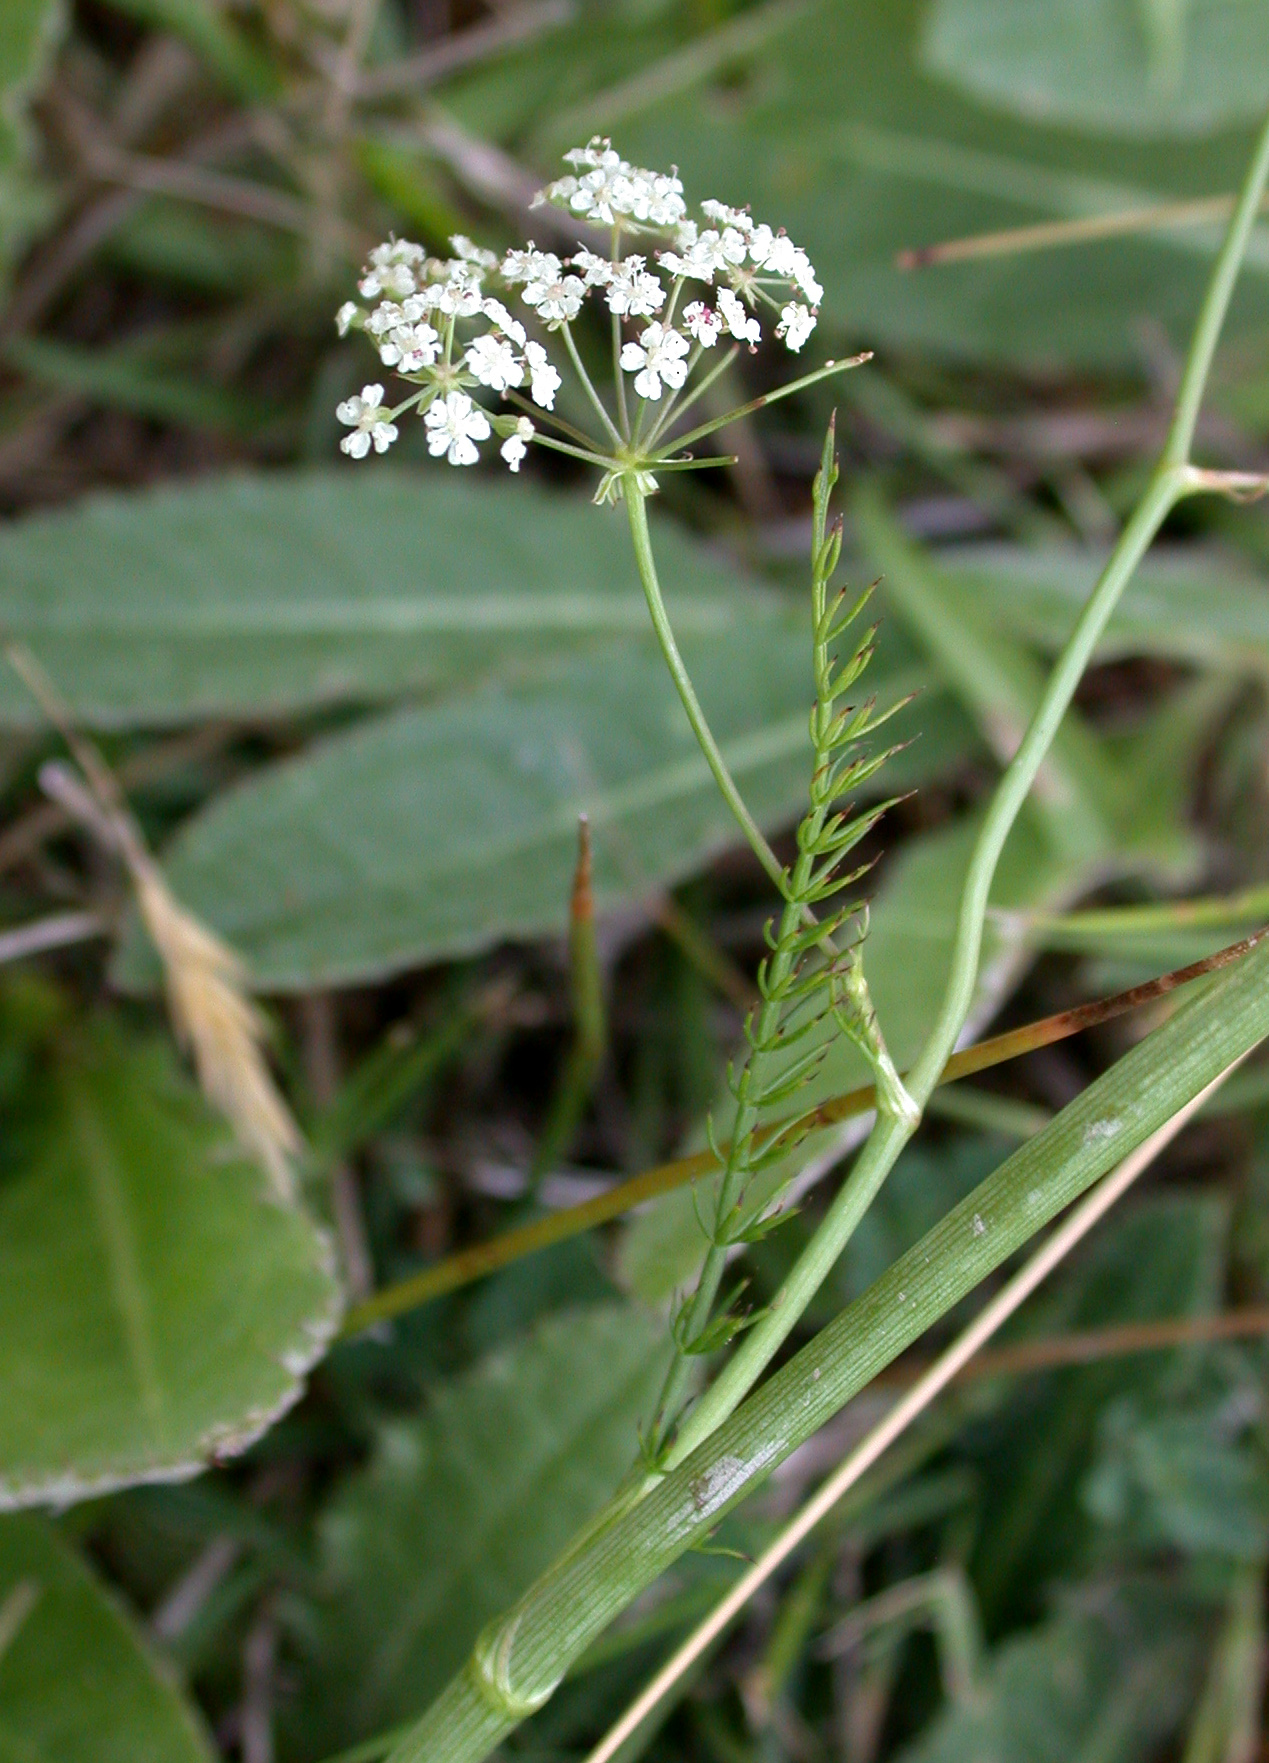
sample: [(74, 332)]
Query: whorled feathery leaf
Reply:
[(807, 984)]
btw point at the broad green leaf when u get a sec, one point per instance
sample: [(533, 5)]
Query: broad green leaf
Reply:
[(839, 135), (156, 1311), (429, 833), (1107, 1679), (77, 1684), (1119, 67), (457, 1512), (1185, 603), (257, 595)]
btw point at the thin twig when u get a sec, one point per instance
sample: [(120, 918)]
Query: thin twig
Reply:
[(1047, 234), (210, 189), (946, 1368), (259, 1672), (319, 1046), (184, 1601), (54, 932), (26, 835), (463, 49), (485, 1258)]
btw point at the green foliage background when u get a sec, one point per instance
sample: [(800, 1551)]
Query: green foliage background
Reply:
[(358, 711)]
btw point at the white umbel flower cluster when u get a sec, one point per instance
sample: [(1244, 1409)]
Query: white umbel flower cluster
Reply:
[(440, 324)]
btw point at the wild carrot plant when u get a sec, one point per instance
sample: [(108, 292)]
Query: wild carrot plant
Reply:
[(679, 285)]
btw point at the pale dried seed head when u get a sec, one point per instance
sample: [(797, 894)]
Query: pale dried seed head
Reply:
[(220, 1027), (212, 1015)]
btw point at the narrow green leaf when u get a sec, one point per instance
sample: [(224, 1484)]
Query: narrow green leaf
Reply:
[(77, 1684), (247, 72), (155, 1310), (120, 379), (30, 31)]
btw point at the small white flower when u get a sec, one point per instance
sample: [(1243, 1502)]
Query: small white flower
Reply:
[(454, 425), (796, 324), (805, 278), (597, 271), (560, 193), (385, 317), (761, 240), (347, 315), (557, 299), (495, 363), (702, 323), (545, 381), (742, 325), (633, 291), (727, 217), (368, 419), (782, 255), (396, 278), (701, 260), (530, 265), (460, 295), (591, 154), (391, 269), (514, 448), (469, 253), (606, 191), (609, 188), (410, 347), (510, 327), (656, 360), (658, 198)]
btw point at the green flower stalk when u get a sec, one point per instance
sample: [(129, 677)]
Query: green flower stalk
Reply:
[(730, 1439)]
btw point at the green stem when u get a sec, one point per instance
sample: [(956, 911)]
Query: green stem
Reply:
[(676, 411), (890, 1134), (637, 509), (519, 1659), (807, 379), (1056, 929), (591, 393), (619, 379)]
